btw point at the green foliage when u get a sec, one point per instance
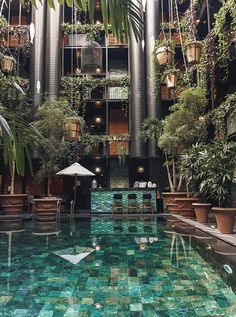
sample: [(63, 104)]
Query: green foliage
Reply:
[(157, 70), (209, 169), (178, 131), (219, 115), (3, 24), (225, 27), (52, 114), (151, 129), (124, 15), (182, 127), (75, 89), (93, 31)]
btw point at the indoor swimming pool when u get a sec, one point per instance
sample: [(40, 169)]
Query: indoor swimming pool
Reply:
[(100, 267)]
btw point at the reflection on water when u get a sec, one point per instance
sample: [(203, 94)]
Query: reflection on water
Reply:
[(128, 271)]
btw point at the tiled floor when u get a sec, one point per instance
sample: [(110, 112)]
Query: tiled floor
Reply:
[(136, 269)]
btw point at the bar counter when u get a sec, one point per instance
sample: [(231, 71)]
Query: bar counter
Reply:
[(102, 198)]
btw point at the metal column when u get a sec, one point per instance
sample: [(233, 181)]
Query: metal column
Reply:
[(53, 50), (137, 100), (37, 60), (152, 29)]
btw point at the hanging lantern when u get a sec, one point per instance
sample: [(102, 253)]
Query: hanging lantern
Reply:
[(164, 55), (193, 52), (7, 63), (91, 58), (71, 129)]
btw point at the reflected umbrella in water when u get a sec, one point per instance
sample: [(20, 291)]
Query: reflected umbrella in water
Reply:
[(9, 226)]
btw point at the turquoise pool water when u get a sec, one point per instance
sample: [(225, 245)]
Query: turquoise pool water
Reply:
[(132, 268)]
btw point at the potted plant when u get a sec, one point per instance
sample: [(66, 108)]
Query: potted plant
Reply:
[(192, 169), (177, 133), (52, 114), (193, 51), (170, 77), (7, 63), (216, 164), (17, 136), (164, 51), (189, 28)]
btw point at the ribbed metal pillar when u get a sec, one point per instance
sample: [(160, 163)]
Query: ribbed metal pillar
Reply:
[(53, 50), (153, 98), (37, 60), (137, 100)]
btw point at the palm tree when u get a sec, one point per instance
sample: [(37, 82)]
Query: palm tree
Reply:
[(123, 15)]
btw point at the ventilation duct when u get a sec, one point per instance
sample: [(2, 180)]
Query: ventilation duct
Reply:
[(152, 29), (37, 60), (137, 100), (53, 50)]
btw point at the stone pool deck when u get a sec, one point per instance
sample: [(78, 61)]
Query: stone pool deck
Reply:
[(210, 228)]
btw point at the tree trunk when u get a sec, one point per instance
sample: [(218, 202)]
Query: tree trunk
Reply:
[(12, 191), (172, 189), (48, 186), (173, 171)]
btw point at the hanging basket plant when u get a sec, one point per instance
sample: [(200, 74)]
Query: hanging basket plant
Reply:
[(193, 52), (72, 128), (171, 78), (164, 52), (7, 63)]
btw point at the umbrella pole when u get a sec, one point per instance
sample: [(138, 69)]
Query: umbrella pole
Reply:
[(75, 190)]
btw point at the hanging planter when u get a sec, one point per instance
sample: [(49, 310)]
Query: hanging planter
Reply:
[(71, 129), (7, 63), (164, 55), (193, 52), (170, 79)]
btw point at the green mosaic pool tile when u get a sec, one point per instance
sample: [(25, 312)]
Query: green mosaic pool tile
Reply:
[(46, 314)]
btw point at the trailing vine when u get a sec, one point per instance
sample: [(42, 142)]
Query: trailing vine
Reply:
[(92, 31), (75, 89), (225, 27)]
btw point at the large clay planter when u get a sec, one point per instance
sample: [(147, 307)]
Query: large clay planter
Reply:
[(193, 52), (185, 206), (225, 218), (46, 205), (173, 208), (202, 210), (170, 196), (12, 204), (164, 55)]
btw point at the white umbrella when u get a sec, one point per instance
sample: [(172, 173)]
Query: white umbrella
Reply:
[(75, 170)]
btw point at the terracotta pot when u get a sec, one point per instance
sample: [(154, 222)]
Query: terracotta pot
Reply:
[(7, 64), (193, 52), (202, 211), (170, 196), (171, 80), (185, 206), (12, 203), (46, 206), (164, 55), (173, 208), (71, 129), (225, 218)]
